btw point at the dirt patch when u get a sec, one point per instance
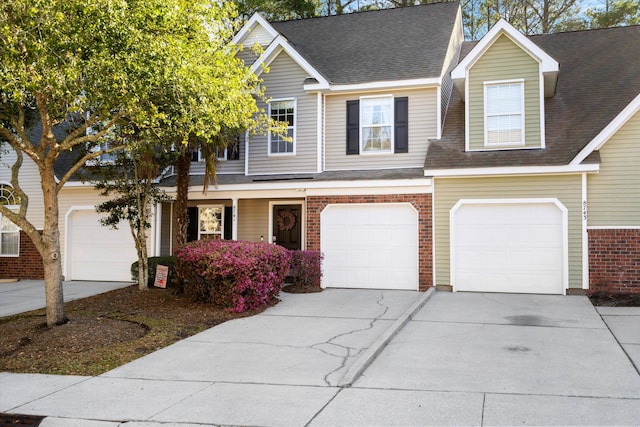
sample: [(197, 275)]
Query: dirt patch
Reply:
[(615, 300), (104, 331)]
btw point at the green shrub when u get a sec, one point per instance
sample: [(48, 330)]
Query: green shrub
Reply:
[(152, 262)]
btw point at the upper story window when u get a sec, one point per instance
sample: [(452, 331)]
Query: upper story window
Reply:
[(376, 125), (230, 152), (210, 222), (283, 111), (504, 113), (9, 232)]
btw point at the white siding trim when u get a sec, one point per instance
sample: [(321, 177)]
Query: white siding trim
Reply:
[(373, 86), (439, 113), (67, 261), (610, 130), (467, 143), (255, 20), (543, 138), (303, 225), (555, 201), (319, 131), (246, 153), (512, 170), (613, 227), (585, 236)]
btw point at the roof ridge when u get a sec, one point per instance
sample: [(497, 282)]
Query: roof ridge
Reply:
[(368, 11)]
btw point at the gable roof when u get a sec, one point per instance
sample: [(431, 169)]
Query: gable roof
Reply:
[(549, 66), (384, 45), (598, 79)]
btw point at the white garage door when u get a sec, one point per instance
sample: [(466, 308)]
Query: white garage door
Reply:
[(96, 252), (508, 247), (370, 246)]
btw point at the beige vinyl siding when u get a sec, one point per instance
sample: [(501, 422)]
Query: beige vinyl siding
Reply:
[(253, 219), (613, 195), (504, 60), (423, 119), (29, 180), (257, 35), (566, 188), (285, 81)]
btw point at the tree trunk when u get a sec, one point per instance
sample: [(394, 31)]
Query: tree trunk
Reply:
[(183, 168), (51, 260)]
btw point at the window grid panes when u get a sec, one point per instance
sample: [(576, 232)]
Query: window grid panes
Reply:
[(282, 111), (376, 122), (9, 236), (210, 222), (504, 114)]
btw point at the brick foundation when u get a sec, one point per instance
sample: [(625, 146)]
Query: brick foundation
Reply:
[(26, 266), (422, 203), (614, 261)]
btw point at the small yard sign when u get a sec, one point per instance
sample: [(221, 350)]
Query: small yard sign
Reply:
[(162, 272)]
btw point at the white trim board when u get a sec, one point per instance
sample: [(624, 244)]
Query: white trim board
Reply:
[(614, 126), (512, 170)]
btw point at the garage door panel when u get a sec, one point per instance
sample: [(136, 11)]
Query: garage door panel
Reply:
[(96, 252), (516, 247), (370, 246)]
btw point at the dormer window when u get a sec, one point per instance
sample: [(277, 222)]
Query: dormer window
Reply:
[(504, 113)]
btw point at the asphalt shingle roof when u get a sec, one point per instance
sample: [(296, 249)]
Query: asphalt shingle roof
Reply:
[(599, 76), (392, 44)]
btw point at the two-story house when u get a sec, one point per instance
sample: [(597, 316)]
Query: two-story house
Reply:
[(417, 159)]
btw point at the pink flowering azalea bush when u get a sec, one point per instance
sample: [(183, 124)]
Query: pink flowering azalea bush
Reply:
[(234, 274), (306, 268)]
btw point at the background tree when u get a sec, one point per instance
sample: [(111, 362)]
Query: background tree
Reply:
[(615, 13), (100, 62), (279, 10), (128, 183)]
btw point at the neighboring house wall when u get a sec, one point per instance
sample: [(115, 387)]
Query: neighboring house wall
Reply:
[(257, 35), (285, 81), (421, 202), (28, 265), (613, 197), (566, 188), (423, 119), (504, 61), (450, 61), (29, 179)]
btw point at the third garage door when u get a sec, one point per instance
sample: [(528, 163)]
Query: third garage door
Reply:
[(370, 246), (509, 246)]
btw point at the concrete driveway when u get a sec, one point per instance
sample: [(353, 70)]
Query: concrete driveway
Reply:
[(462, 359)]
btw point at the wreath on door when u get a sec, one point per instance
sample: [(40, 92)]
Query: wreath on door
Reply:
[(286, 220)]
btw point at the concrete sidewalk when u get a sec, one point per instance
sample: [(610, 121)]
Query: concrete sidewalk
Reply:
[(461, 359), (26, 295)]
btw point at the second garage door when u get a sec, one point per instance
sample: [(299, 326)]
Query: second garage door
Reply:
[(509, 247), (96, 252), (370, 246)]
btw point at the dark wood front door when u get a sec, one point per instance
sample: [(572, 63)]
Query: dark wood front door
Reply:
[(287, 226)]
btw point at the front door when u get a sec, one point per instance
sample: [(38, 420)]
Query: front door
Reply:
[(287, 226)]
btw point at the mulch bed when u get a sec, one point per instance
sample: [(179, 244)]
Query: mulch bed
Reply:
[(11, 420), (615, 300), (104, 331), (301, 289)]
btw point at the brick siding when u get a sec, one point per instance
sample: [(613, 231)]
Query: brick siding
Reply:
[(614, 261), (422, 203), (26, 266)]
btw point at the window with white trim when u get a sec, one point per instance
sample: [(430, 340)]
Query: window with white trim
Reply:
[(376, 124), (210, 222), (9, 232), (504, 113), (283, 111)]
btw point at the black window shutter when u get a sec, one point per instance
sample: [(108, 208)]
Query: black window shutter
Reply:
[(401, 130), (353, 127), (228, 223), (192, 226)]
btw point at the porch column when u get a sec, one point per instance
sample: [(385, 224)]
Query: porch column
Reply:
[(234, 219), (157, 230)]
